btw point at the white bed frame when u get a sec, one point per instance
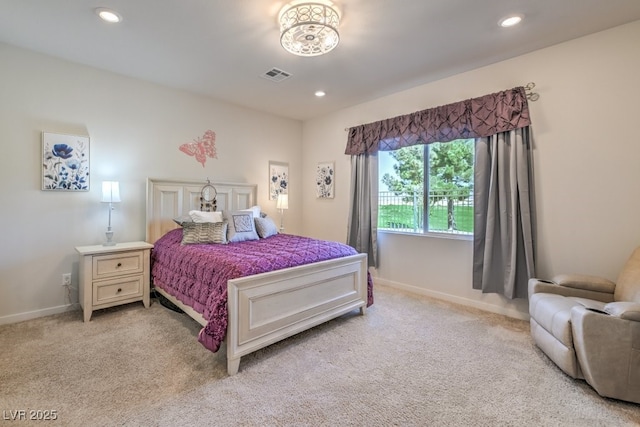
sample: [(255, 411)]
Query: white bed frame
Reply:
[(268, 307)]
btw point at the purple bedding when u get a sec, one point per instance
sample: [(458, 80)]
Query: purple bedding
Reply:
[(197, 274)]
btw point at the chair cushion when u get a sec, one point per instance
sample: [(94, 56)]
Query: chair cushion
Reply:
[(553, 313)]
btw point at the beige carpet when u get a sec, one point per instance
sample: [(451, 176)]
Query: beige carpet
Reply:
[(410, 361)]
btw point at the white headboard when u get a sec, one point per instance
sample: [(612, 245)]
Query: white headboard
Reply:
[(168, 199)]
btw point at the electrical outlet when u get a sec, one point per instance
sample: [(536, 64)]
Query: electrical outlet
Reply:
[(66, 279)]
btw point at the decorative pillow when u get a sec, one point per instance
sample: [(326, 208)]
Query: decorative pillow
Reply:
[(182, 219), (255, 209), (265, 227), (200, 216), (241, 226), (204, 232)]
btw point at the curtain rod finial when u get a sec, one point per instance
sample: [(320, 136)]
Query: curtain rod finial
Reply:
[(532, 96)]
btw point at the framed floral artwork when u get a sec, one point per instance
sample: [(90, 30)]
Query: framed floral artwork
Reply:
[(278, 179), (65, 162), (324, 180)]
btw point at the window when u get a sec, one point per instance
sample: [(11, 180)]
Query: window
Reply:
[(442, 187)]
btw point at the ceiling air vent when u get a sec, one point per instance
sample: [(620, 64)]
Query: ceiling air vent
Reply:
[(276, 75)]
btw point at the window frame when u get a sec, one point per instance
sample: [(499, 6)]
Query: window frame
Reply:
[(426, 168)]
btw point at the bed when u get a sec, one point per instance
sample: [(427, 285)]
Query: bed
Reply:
[(260, 308)]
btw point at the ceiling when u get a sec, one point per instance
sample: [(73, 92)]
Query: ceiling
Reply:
[(221, 48)]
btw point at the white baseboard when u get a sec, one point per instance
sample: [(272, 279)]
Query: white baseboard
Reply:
[(453, 298), (21, 317)]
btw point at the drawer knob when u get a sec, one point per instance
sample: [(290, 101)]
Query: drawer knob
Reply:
[(119, 290), (119, 265)]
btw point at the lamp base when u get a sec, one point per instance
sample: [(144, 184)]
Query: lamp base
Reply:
[(281, 221), (109, 241)]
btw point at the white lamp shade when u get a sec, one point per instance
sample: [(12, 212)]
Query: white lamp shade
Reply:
[(110, 192), (283, 201)]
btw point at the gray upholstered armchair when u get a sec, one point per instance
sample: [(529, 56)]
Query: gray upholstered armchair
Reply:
[(590, 328)]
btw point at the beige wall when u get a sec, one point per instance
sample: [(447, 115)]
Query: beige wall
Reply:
[(585, 162), (135, 130), (586, 166)]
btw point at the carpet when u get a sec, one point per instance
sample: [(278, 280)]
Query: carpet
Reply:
[(410, 361)]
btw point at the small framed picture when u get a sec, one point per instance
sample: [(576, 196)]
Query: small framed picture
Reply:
[(65, 162), (278, 179), (325, 177)]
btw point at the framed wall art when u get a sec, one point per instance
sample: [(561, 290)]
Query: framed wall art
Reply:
[(278, 179), (325, 177), (65, 162)]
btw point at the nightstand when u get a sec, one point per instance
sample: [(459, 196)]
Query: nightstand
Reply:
[(113, 275)]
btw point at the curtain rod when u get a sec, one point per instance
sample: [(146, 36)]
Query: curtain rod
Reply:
[(528, 90)]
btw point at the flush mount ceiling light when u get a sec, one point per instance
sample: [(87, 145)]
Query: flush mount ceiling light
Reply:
[(108, 15), (309, 29), (510, 21)]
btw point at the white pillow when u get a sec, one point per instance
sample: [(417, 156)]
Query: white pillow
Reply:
[(265, 227), (200, 216), (241, 226), (182, 219), (255, 209)]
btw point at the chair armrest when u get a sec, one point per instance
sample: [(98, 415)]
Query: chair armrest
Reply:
[(624, 310), (588, 283), (551, 287), (606, 347)]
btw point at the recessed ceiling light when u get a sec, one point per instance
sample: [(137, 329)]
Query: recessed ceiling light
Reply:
[(109, 15), (510, 21), (320, 93)]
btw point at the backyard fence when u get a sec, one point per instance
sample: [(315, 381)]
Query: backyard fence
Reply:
[(405, 212)]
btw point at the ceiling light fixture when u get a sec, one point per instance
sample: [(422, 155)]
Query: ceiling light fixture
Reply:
[(309, 29), (109, 15), (320, 93), (510, 21)]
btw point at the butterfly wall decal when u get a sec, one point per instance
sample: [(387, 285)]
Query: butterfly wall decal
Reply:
[(201, 148)]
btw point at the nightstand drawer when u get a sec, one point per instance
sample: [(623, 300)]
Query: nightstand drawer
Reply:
[(118, 264), (107, 291)]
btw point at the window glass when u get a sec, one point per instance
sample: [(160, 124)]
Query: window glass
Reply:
[(441, 186)]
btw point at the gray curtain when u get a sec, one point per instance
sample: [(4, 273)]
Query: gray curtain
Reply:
[(504, 214), (362, 229), (494, 114)]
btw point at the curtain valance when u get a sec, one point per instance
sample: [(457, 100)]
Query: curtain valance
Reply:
[(473, 118)]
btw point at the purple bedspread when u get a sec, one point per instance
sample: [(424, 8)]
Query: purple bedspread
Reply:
[(197, 274)]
